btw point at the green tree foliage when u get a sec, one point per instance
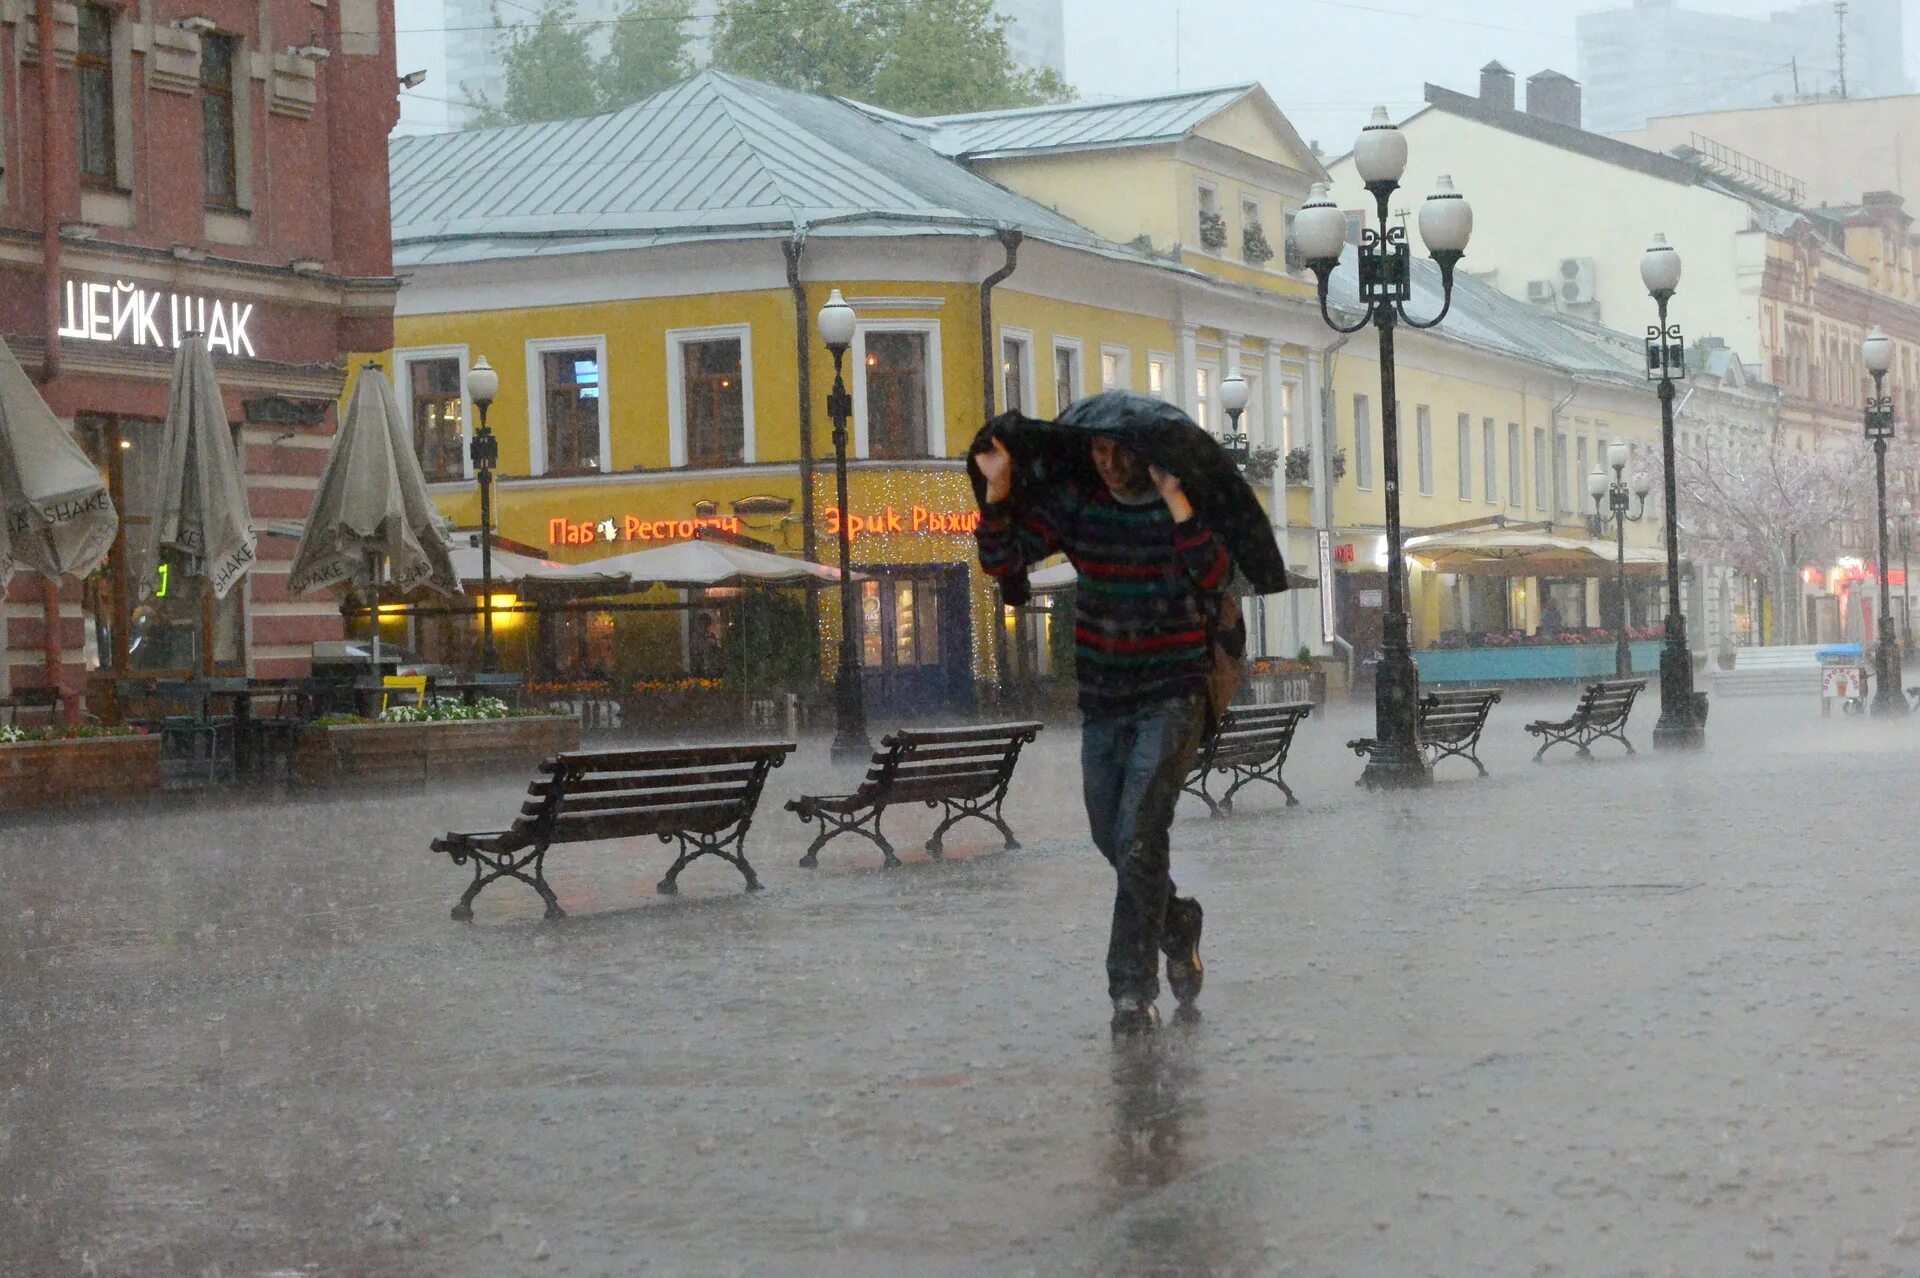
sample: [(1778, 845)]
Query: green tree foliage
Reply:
[(919, 57), (552, 73), (647, 53)]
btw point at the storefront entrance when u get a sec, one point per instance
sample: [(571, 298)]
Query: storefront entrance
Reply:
[(916, 642)]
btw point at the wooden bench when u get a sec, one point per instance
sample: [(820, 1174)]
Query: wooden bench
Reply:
[(1602, 712), (703, 797), (1452, 719), (1251, 744), (964, 770), (1450, 723)]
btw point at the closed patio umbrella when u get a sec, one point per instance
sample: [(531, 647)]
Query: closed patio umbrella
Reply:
[(56, 517), (200, 505), (372, 505)]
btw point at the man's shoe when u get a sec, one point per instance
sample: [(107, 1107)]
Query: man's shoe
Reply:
[(1185, 971), (1134, 1016)]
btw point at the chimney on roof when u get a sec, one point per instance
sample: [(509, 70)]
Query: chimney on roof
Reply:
[(1556, 97), (1496, 86)]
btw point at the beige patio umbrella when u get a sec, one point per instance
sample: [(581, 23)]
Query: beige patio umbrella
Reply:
[(1508, 552), (56, 516), (702, 563), (200, 503), (372, 508)]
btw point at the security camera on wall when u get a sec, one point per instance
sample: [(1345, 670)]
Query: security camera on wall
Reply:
[(199, 26)]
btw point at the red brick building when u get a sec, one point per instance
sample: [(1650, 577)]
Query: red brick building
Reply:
[(218, 165)]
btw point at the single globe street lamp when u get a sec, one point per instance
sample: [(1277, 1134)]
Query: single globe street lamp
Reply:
[(1396, 758), (1683, 713), (1233, 398), (850, 742), (1616, 491), (1876, 353), (484, 450)]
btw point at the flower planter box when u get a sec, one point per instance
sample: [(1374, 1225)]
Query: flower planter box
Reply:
[(1285, 682), (50, 774), (403, 753)]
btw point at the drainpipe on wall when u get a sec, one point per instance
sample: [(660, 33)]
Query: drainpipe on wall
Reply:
[(51, 206), (1553, 438), (803, 352), (1010, 241)]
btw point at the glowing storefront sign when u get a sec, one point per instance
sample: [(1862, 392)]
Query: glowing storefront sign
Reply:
[(564, 532), (134, 315), (891, 521)]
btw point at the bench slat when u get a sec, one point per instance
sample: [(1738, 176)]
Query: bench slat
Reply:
[(642, 801), (702, 818), (602, 783), (948, 736), (674, 757)]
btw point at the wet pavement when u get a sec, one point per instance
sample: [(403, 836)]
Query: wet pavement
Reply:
[(1643, 1016)]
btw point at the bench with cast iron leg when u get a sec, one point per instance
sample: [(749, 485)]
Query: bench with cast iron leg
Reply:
[(1251, 744), (963, 770), (1451, 721), (702, 797), (1602, 712)]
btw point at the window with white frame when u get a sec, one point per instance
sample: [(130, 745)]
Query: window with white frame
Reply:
[(1116, 368), (1203, 396), (567, 390), (1490, 461), (897, 389), (1465, 457), (1068, 377), (1516, 466), (1560, 471), (1580, 466), (1212, 223), (1362, 443), (1290, 402), (710, 396), (1159, 375), (432, 387), (1542, 469), (1016, 372), (1423, 428), (1250, 417)]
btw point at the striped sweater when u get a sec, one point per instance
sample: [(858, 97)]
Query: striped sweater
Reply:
[(1140, 634)]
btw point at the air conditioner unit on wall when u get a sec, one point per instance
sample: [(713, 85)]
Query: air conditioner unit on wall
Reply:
[(1542, 291), (1576, 280)]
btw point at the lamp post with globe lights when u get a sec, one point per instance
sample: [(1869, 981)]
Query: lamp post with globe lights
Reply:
[(850, 742), (1233, 398), (1397, 757), (484, 450), (1616, 492), (1876, 354), (1683, 713)]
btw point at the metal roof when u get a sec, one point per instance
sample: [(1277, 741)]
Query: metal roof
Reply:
[(712, 156), (1068, 126)]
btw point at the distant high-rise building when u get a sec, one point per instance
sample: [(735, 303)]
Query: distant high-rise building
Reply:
[(476, 52), (1657, 58)]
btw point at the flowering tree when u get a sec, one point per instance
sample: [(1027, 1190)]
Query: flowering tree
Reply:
[(1763, 508)]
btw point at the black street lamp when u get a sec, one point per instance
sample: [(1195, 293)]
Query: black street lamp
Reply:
[(1233, 398), (1320, 230), (1683, 713), (1616, 491), (1876, 353), (850, 734), (482, 385)]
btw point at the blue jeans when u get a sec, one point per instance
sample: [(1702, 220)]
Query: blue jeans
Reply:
[(1131, 767)]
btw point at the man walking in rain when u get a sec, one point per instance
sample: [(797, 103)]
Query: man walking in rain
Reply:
[(1151, 573)]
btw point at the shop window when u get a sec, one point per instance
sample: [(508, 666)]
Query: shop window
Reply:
[(872, 637), (1066, 375), (435, 409), (149, 618), (572, 408), (715, 398), (1016, 373), (1362, 444), (221, 185), (93, 66), (897, 386), (900, 622)]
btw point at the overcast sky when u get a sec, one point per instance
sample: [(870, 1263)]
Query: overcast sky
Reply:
[(1326, 62)]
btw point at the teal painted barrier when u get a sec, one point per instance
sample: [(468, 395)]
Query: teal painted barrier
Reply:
[(1569, 662)]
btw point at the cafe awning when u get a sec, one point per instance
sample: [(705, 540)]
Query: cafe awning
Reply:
[(1519, 552), (1063, 574)]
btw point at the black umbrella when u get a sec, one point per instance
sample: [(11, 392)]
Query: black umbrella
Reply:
[(1048, 455)]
